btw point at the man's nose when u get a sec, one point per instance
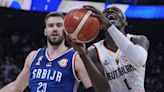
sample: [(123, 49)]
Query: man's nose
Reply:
[(54, 30), (55, 27)]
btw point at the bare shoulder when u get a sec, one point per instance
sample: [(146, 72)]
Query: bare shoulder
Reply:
[(141, 40), (77, 57), (30, 57), (78, 60), (78, 63), (139, 37)]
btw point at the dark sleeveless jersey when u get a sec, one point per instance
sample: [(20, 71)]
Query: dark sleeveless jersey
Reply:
[(53, 75)]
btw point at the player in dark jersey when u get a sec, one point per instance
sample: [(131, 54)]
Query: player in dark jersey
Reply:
[(120, 58), (57, 68)]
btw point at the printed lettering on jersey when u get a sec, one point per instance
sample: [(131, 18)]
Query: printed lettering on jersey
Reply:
[(120, 72), (47, 74), (39, 60), (124, 59), (63, 62)]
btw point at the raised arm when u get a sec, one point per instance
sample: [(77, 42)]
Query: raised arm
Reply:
[(21, 81), (136, 53)]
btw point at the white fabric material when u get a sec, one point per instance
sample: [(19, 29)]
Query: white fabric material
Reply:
[(136, 54), (117, 73)]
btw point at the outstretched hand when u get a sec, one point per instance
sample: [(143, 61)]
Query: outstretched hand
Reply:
[(97, 13)]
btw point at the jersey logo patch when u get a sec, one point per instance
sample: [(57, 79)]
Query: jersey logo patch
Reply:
[(39, 60), (63, 62), (49, 64), (124, 59)]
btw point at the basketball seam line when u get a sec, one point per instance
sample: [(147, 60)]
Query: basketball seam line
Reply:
[(81, 23)]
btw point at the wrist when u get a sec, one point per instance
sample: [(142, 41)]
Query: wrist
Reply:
[(110, 28), (109, 25), (106, 23), (91, 89)]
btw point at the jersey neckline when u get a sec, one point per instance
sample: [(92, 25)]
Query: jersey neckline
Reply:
[(52, 59)]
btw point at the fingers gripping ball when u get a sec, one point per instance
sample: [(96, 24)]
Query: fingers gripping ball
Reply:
[(81, 25)]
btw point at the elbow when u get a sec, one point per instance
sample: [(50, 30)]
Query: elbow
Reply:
[(141, 59), (137, 56), (11, 87), (16, 86)]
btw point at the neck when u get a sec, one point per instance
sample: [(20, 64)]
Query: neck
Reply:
[(109, 43), (56, 50)]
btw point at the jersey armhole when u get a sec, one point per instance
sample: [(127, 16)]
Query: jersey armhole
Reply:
[(97, 53), (36, 53), (73, 67)]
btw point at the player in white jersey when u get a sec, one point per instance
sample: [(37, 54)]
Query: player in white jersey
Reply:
[(120, 57), (121, 75)]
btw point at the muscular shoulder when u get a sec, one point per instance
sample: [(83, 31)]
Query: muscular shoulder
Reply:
[(30, 57), (77, 60), (79, 65), (140, 40)]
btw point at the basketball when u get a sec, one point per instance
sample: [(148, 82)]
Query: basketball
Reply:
[(81, 25)]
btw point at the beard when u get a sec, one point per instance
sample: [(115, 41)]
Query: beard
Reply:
[(55, 41)]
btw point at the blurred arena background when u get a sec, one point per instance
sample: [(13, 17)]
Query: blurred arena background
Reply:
[(22, 25)]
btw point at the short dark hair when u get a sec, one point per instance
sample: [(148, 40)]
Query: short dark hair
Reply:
[(53, 14)]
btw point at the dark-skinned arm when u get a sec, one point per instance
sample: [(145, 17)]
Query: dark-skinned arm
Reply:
[(98, 80)]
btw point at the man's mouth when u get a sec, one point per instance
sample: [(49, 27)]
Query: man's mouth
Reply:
[(55, 34), (111, 17)]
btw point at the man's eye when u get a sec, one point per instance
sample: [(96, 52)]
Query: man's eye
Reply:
[(59, 24), (50, 25)]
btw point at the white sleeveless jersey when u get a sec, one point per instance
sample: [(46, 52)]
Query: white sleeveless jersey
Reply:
[(121, 76)]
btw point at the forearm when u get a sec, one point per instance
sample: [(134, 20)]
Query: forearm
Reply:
[(99, 82), (136, 54), (11, 87)]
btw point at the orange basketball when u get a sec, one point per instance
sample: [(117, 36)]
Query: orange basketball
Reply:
[(81, 25)]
